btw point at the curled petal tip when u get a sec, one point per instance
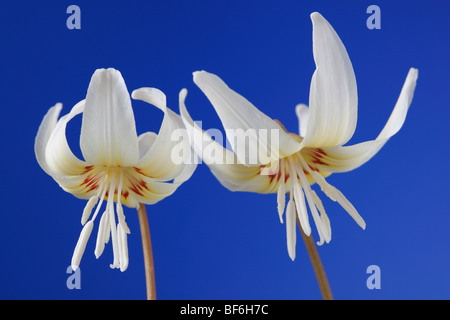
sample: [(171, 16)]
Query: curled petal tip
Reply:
[(316, 15), (197, 75), (183, 93)]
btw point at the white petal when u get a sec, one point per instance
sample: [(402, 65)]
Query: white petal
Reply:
[(150, 191), (159, 161), (108, 131), (146, 140), (67, 170), (243, 120), (223, 162), (60, 159), (333, 96), (342, 159), (398, 115), (291, 229), (302, 112), (44, 132)]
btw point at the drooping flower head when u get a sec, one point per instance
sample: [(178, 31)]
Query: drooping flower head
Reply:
[(119, 166), (293, 162)]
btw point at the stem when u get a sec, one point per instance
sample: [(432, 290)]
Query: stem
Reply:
[(148, 252), (317, 265)]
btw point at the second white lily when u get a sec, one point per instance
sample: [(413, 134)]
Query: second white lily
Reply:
[(298, 160)]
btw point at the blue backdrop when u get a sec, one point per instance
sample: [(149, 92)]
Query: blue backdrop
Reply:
[(210, 243)]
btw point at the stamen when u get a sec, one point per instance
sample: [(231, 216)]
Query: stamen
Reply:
[(103, 232), (335, 195), (81, 244), (291, 236), (121, 218), (307, 189), (87, 229), (281, 196), (88, 209), (323, 215), (119, 188), (123, 248), (112, 223), (101, 191), (299, 199)]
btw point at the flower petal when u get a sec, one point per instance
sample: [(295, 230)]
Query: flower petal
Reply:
[(222, 162), (146, 140), (108, 131), (333, 96), (302, 112), (243, 120), (71, 173), (150, 191), (347, 158), (159, 160), (44, 132), (60, 159)]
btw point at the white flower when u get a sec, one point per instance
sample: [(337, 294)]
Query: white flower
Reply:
[(314, 154), (118, 165)]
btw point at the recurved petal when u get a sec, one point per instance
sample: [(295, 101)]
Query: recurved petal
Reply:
[(333, 95), (149, 191), (242, 120), (44, 132), (61, 162), (170, 154), (346, 158), (108, 131), (146, 140), (222, 162), (67, 170), (302, 112)]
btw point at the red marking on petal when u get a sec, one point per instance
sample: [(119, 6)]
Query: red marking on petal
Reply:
[(286, 177), (136, 191), (271, 178), (321, 151), (93, 187), (87, 169), (318, 161), (143, 184), (138, 170)]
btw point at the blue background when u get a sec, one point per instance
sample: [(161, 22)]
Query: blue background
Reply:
[(210, 243)]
